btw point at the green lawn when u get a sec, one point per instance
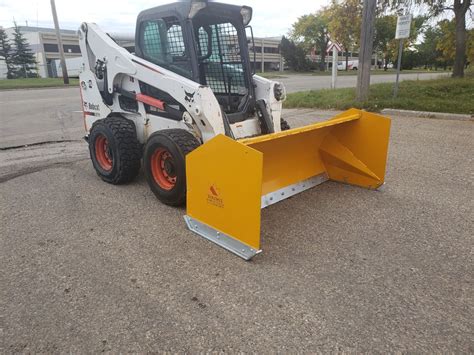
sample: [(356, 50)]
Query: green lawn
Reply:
[(440, 95), (277, 74), (34, 83)]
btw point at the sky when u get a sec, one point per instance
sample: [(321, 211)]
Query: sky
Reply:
[(270, 18)]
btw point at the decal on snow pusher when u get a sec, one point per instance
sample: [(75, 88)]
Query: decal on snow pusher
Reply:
[(229, 182)]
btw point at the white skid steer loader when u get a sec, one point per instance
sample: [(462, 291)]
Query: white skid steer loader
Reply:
[(209, 132)]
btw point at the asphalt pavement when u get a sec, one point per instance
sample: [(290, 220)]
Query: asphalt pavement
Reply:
[(90, 267)]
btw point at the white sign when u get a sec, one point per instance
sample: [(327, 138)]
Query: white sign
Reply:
[(403, 27), (333, 46)]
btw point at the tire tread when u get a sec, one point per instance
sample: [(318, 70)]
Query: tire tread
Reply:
[(129, 148)]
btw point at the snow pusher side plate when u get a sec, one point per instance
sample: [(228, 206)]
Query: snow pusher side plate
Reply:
[(228, 181)]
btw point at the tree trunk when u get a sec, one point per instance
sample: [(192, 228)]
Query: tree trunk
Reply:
[(322, 63), (347, 60), (460, 9)]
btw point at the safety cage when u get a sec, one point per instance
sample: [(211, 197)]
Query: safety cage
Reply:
[(208, 46)]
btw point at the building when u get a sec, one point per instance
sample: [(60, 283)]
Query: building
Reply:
[(267, 54), (44, 44)]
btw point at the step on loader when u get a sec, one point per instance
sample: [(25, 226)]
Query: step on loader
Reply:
[(182, 100)]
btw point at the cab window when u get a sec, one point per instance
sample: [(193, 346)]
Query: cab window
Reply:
[(162, 43)]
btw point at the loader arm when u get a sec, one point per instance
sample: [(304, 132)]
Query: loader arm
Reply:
[(118, 65)]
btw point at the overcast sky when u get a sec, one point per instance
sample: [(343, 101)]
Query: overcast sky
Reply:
[(271, 17)]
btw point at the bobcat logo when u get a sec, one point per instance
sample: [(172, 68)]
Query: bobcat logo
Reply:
[(189, 96)]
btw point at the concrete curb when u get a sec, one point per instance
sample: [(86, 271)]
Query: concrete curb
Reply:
[(425, 114)]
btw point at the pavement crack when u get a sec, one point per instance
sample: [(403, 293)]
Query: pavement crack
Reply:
[(40, 143), (37, 169)]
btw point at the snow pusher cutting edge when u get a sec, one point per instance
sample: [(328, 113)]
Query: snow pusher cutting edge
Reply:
[(230, 181)]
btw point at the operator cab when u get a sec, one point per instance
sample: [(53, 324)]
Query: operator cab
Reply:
[(206, 43)]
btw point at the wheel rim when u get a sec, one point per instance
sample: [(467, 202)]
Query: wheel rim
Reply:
[(163, 169), (103, 153)]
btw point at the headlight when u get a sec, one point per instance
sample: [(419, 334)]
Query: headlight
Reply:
[(246, 13), (279, 91)]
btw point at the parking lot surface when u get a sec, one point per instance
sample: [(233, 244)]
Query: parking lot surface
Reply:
[(89, 267)]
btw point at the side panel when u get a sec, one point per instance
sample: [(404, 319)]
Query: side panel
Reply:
[(356, 152), (224, 180), (264, 90), (92, 104)]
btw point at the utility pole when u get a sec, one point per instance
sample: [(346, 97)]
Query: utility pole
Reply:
[(60, 43), (365, 52)]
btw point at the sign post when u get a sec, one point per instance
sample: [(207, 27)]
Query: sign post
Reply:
[(402, 32), (335, 48)]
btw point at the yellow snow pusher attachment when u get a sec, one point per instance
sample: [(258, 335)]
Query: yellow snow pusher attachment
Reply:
[(229, 181)]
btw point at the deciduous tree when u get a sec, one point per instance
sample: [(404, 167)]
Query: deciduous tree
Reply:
[(460, 9), (312, 32), (345, 22)]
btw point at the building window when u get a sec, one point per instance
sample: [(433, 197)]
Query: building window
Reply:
[(271, 50), (71, 48), (68, 48), (51, 48)]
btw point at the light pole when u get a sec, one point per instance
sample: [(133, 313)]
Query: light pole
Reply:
[(60, 44), (366, 46)]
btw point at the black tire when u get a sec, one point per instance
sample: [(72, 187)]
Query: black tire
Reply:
[(121, 148), (284, 125), (165, 166)]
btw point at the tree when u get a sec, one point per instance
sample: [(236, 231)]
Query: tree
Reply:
[(470, 46), (5, 52), (429, 53), (312, 32), (344, 23), (385, 42), (385, 36), (460, 9), (23, 59), (446, 40), (446, 44), (295, 55)]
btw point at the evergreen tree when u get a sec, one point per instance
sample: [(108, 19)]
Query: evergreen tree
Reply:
[(295, 55), (5, 52), (23, 58)]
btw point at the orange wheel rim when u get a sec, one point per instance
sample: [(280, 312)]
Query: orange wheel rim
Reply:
[(163, 169), (103, 154)]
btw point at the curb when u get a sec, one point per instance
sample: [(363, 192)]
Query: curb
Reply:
[(426, 114)]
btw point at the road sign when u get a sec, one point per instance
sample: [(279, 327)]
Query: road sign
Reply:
[(402, 32), (403, 27), (333, 46)]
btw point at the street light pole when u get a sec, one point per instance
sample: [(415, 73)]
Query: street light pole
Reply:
[(366, 46), (60, 43)]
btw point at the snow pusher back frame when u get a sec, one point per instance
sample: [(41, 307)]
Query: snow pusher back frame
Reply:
[(230, 181)]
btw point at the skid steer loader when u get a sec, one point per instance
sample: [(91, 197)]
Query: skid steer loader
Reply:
[(187, 106)]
